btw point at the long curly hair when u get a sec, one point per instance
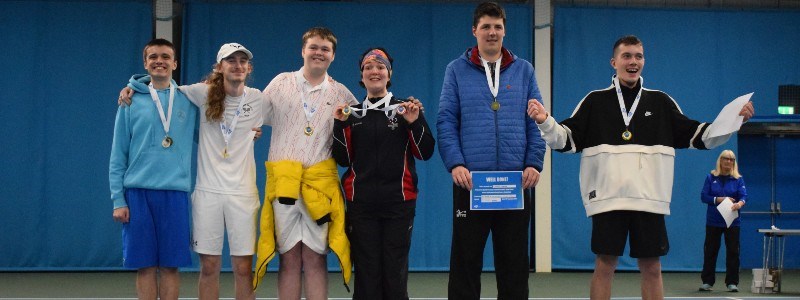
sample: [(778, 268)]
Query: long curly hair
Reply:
[(215, 105)]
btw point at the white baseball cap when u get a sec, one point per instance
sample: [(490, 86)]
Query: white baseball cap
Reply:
[(231, 48)]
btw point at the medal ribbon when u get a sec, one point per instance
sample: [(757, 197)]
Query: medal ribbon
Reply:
[(227, 131), (165, 120), (494, 87), (627, 115), (307, 109), (388, 110)]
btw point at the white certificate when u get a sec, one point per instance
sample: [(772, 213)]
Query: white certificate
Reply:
[(729, 120), (727, 213)]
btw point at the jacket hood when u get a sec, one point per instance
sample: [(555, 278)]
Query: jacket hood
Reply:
[(139, 83), (472, 56)]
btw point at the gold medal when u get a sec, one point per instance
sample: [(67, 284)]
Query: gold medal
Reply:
[(308, 130), (627, 135), (225, 153), (346, 111), (166, 142), (495, 105)]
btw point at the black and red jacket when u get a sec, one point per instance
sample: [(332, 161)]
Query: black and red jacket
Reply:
[(379, 156)]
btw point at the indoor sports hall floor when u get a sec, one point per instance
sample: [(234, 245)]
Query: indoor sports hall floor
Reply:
[(557, 285)]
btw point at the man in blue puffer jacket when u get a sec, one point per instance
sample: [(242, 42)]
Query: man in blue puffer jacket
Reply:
[(483, 126)]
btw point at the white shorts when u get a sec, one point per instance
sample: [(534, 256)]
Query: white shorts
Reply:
[(293, 225), (212, 213)]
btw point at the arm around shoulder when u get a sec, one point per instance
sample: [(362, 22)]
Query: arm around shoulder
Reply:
[(197, 93)]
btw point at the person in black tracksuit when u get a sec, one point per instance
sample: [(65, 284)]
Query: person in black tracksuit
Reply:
[(378, 144)]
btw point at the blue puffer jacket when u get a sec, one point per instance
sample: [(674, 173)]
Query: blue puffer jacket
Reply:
[(471, 134)]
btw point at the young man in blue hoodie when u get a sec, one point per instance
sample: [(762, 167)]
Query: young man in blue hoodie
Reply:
[(150, 174), (482, 126)]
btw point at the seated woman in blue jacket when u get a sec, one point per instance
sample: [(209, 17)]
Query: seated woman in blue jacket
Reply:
[(378, 141), (723, 184)]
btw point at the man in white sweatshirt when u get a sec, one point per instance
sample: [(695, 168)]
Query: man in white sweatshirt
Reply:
[(627, 135)]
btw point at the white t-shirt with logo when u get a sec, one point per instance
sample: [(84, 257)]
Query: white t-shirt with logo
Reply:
[(236, 174)]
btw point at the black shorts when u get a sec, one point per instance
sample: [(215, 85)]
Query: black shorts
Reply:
[(648, 233)]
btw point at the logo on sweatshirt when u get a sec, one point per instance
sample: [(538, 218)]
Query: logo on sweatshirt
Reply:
[(592, 194), (461, 213), (647, 114)]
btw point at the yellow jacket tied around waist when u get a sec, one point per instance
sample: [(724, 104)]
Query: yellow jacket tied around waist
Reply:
[(322, 195)]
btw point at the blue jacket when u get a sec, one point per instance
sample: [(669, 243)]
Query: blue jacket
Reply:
[(721, 186), (137, 158), (471, 134)]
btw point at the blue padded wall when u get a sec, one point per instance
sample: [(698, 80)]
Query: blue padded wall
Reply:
[(65, 63)]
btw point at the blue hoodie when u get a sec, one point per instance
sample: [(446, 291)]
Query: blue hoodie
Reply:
[(137, 158)]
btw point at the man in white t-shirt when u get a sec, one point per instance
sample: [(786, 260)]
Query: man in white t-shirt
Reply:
[(299, 105), (226, 196)]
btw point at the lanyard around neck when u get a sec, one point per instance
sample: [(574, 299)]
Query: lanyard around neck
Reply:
[(494, 87), (227, 130), (627, 115), (165, 120), (307, 108)]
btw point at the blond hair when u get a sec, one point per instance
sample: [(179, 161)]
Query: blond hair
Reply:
[(734, 170), (216, 96)]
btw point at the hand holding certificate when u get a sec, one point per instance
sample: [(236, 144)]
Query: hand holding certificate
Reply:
[(725, 208), (496, 190), (729, 119)]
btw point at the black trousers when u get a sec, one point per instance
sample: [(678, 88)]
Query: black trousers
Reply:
[(380, 238), (711, 249), (509, 230)]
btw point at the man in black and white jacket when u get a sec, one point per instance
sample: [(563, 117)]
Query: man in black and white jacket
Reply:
[(627, 135)]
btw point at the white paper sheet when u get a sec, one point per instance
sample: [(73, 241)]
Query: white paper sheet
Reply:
[(727, 213), (729, 120)]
